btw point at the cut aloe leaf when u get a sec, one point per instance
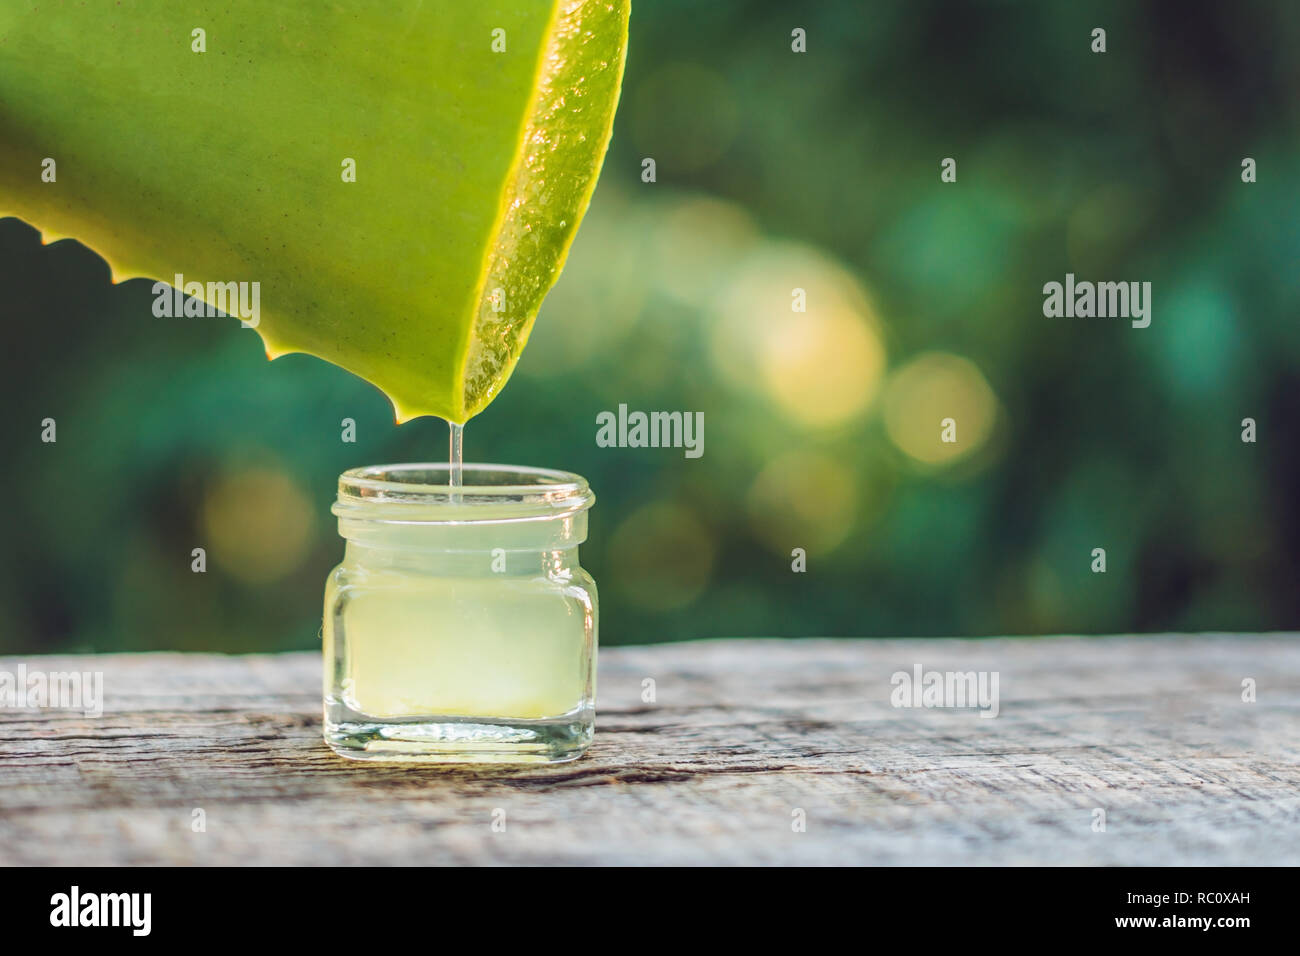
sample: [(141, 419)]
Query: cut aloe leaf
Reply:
[(476, 131)]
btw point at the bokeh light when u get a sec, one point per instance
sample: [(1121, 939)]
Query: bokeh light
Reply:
[(696, 240), (803, 500), (258, 524), (661, 557), (929, 389), (820, 368)]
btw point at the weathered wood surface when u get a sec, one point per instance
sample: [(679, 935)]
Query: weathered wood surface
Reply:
[(1153, 730)]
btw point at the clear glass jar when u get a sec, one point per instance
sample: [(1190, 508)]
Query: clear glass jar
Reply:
[(460, 626)]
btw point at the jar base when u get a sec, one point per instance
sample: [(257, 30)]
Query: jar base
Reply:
[(463, 740)]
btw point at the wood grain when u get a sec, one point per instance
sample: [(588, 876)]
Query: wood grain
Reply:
[(1153, 730)]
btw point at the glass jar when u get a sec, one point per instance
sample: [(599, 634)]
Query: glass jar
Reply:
[(460, 626)]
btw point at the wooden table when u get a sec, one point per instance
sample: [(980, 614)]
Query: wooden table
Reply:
[(742, 736)]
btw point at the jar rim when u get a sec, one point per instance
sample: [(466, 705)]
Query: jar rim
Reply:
[(421, 492)]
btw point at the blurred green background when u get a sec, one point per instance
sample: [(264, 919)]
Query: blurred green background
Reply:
[(775, 171)]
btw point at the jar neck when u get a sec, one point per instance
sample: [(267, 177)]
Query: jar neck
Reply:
[(552, 562), (535, 534)]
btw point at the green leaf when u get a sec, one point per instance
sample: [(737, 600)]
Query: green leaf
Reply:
[(473, 167)]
